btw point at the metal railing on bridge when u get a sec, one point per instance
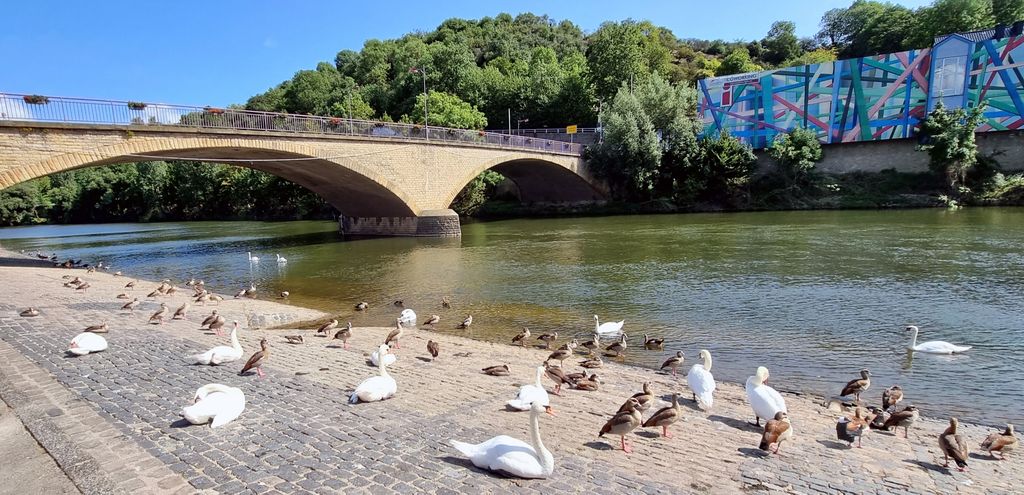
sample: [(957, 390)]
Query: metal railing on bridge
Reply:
[(37, 108)]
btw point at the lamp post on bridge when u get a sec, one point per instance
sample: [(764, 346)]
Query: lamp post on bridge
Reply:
[(520, 121), (426, 98)]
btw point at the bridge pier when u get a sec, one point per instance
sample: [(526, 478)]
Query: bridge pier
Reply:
[(430, 223)]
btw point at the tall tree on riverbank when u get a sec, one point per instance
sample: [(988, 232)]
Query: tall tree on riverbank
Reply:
[(950, 144)]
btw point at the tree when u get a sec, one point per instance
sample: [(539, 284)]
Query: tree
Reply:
[(720, 169), (952, 16), (795, 155), (737, 62), (818, 56), (1007, 11), (448, 110), (625, 52), (629, 156), (781, 43), (952, 150), (867, 28)]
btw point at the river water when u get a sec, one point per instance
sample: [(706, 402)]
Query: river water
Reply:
[(814, 296)]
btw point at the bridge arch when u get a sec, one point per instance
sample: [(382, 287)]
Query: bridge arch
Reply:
[(538, 180)]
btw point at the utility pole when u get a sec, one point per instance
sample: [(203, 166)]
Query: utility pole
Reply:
[(510, 121), (426, 97)]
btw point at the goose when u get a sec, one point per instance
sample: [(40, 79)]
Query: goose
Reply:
[(702, 382), (362, 306), (154, 294), (399, 303), (776, 431), (179, 314), (130, 285), (572, 344), (623, 423), (117, 273), (87, 342), (433, 320), (217, 325), (191, 282), (294, 339), (558, 376), (215, 298), (513, 457), (122, 295), (222, 354), (617, 348), (590, 383), (281, 260), (643, 399), (591, 363), (30, 312), (158, 317), (407, 318), (284, 294), (878, 418), (395, 334), (857, 386), (327, 327), (853, 429), (521, 337), (892, 396), (377, 387), (252, 259), (389, 358), (953, 445), (764, 400), (466, 322), (171, 290), (673, 363), (433, 349), (210, 319), (531, 393), (905, 418), (258, 359), (653, 343), (933, 346), (214, 402), (203, 298), (560, 355), (101, 328), (84, 286), (499, 370), (446, 302), (343, 335), (548, 338), (608, 327), (593, 344), (131, 305), (665, 417), (1000, 442)]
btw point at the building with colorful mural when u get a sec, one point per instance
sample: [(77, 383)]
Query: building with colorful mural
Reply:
[(873, 98)]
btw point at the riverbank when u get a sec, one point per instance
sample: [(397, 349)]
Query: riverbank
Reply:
[(299, 434)]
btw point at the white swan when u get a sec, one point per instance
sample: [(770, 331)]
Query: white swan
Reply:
[(531, 393), (934, 346), (281, 260), (701, 382), (252, 259), (407, 318), (511, 456), (216, 402), (389, 358), (764, 400), (222, 353), (87, 342), (608, 327), (376, 387)]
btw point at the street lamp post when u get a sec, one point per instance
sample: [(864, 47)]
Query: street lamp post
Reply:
[(426, 98), (520, 121)]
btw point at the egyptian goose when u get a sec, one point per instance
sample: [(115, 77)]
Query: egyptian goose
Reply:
[(776, 431), (643, 399), (154, 294), (853, 429), (171, 291), (653, 343), (101, 328), (591, 363), (131, 305), (202, 298), (673, 362), (343, 335), (466, 322), (395, 334), (446, 302), (378, 387), (217, 325), (433, 349), (433, 320), (892, 396), (548, 338), (665, 417), (284, 294), (589, 383), (702, 382), (593, 344), (158, 316), (1000, 442), (905, 418), (179, 314), (558, 376), (122, 295), (399, 303), (617, 348), (521, 337), (362, 306), (214, 402), (258, 359), (191, 282), (222, 354), (327, 327), (30, 312), (294, 339), (857, 386), (130, 285), (953, 445), (559, 355), (623, 423), (215, 298), (764, 400), (84, 286), (499, 370), (209, 319), (510, 456)]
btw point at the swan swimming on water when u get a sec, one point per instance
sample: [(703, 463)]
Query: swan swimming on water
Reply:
[(252, 259), (281, 260), (933, 346), (608, 327)]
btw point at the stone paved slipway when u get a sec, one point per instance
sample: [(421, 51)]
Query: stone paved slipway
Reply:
[(116, 428)]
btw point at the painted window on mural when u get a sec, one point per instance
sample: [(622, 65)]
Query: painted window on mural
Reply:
[(949, 75)]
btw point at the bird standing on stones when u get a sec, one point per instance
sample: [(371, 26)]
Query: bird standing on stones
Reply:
[(343, 335), (215, 298), (548, 338), (557, 375), (30, 312), (217, 324), (191, 282), (210, 319), (294, 339), (776, 431), (395, 334), (180, 313), (433, 349), (593, 344), (892, 396), (858, 386), (905, 418), (1000, 442), (170, 291), (158, 317), (466, 322), (131, 305), (203, 298), (154, 294), (617, 348), (853, 429), (433, 320), (327, 327), (101, 328), (560, 355), (643, 399), (362, 306), (130, 285), (953, 445), (500, 370), (673, 363), (258, 359), (84, 286), (665, 417), (623, 423)]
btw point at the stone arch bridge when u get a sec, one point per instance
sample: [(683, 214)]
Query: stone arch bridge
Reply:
[(391, 183)]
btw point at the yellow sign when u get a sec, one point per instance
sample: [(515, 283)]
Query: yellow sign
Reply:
[(570, 129)]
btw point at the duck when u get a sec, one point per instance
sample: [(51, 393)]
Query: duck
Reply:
[(222, 354), (210, 319), (216, 404), (510, 456), (433, 348), (280, 259), (1000, 442), (623, 423), (853, 429), (154, 294), (122, 295), (776, 431), (617, 348), (171, 291), (530, 393), (87, 342), (343, 335), (892, 396), (857, 386), (215, 298), (878, 418), (643, 399), (217, 325), (433, 320), (84, 286), (252, 259), (653, 343), (395, 334), (407, 318), (361, 306), (665, 417), (158, 316), (547, 338), (673, 363), (378, 387), (594, 362), (702, 382), (764, 400), (284, 294), (131, 305), (399, 303), (589, 383), (327, 327), (294, 339), (30, 312), (608, 327), (179, 314), (905, 418), (130, 285), (953, 445), (593, 344), (572, 344), (560, 355), (191, 281), (466, 322), (258, 359), (499, 370), (101, 328), (446, 302), (202, 298), (933, 346), (521, 337), (557, 375)]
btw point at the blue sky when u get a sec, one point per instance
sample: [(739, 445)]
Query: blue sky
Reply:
[(219, 52)]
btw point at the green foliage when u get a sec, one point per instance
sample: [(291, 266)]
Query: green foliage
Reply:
[(796, 154), (951, 148), (781, 43), (625, 52), (720, 170), (1007, 11), (867, 28), (447, 110), (476, 193), (816, 56), (737, 62), (951, 16), (629, 156)]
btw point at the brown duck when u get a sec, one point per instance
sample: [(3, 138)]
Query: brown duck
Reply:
[(589, 383), (326, 327), (180, 313), (433, 349), (395, 334), (557, 375), (1000, 442), (521, 337), (343, 335), (158, 317), (548, 338), (500, 370), (643, 399), (892, 396), (858, 386), (30, 312), (776, 431), (673, 363), (665, 417), (101, 328), (905, 418), (623, 423), (953, 445), (258, 359)]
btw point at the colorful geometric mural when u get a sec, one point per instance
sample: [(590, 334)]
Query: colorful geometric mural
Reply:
[(996, 78), (862, 99)]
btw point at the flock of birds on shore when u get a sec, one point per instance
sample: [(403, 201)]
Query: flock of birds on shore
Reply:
[(220, 404)]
